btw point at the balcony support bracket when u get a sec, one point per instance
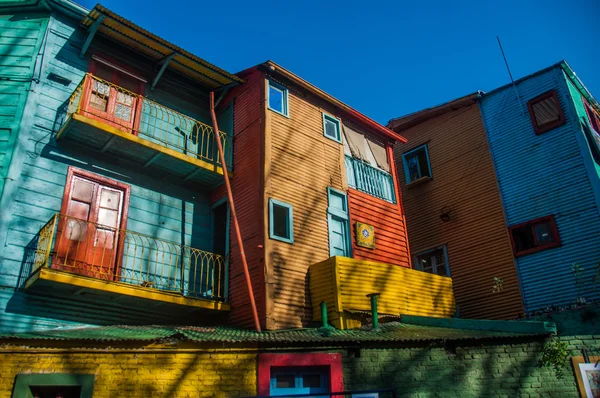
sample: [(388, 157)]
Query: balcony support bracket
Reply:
[(152, 159), (92, 32), (192, 174), (108, 144), (163, 65)]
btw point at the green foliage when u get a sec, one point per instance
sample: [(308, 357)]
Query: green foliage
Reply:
[(498, 284), (555, 355), (578, 274)]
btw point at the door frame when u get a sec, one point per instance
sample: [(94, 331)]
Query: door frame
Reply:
[(331, 212), (76, 172)]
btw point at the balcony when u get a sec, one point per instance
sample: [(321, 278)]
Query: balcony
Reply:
[(110, 119), (368, 179), (75, 255), (343, 283)]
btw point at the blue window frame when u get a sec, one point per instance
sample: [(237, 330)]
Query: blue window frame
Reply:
[(302, 380), (278, 98), (338, 221), (332, 128), (434, 261), (281, 221), (416, 164)]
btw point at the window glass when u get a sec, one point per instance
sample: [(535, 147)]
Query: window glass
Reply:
[(278, 98), (285, 381), (311, 381), (416, 164), (433, 261), (534, 235), (55, 391)]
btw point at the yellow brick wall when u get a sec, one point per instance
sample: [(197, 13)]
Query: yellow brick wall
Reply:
[(142, 374)]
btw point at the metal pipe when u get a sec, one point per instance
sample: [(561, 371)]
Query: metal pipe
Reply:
[(373, 297), (236, 225), (324, 319)]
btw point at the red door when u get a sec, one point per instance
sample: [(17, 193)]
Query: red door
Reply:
[(110, 97), (88, 231)]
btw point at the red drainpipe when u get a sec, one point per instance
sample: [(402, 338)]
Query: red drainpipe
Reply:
[(236, 225)]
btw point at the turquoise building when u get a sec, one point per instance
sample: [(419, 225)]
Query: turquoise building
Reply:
[(110, 173)]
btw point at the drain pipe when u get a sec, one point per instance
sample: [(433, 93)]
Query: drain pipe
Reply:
[(324, 320), (236, 225), (375, 315)]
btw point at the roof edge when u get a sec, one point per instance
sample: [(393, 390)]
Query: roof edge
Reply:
[(518, 327), (353, 113)]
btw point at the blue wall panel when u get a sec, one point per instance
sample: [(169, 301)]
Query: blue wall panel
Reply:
[(539, 175), (157, 207)]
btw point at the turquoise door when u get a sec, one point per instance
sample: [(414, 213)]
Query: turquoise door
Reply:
[(307, 380), (338, 220)]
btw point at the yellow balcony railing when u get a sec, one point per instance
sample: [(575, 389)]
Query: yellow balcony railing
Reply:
[(116, 255), (130, 112)]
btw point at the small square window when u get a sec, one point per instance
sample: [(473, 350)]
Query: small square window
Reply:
[(416, 164), (331, 128), (281, 221), (278, 98), (434, 261), (54, 385), (545, 112), (534, 236)]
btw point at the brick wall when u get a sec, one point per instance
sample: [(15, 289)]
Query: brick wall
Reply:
[(509, 370), (142, 374)]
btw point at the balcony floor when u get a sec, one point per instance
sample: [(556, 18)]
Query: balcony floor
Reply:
[(104, 138), (49, 280)]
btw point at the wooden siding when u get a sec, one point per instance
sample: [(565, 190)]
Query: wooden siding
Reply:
[(158, 207), (301, 164), (343, 283), (20, 40), (542, 175), (246, 186), (476, 237), (390, 233)]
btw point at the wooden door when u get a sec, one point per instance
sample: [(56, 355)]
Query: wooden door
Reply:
[(110, 97), (88, 231)]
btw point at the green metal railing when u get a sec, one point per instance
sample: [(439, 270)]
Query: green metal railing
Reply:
[(368, 179), (135, 114), (121, 256)]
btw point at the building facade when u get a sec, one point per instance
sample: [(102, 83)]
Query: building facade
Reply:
[(518, 176)]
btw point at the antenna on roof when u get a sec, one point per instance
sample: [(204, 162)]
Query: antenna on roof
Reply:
[(511, 78)]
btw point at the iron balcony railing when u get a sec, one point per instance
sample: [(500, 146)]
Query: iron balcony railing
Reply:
[(130, 112), (368, 179), (121, 256)]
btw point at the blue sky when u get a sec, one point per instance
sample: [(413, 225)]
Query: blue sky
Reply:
[(384, 58)]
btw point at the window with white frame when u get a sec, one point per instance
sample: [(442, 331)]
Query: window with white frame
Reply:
[(278, 98), (331, 127), (416, 164), (434, 261)]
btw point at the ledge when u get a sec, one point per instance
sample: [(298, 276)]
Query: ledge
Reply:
[(418, 181)]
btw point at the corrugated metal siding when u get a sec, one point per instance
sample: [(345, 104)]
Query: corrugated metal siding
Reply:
[(478, 244), (303, 164), (248, 130), (390, 234), (20, 40), (540, 175), (343, 284), (157, 207)]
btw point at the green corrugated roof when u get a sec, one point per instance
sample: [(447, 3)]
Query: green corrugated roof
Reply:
[(388, 332)]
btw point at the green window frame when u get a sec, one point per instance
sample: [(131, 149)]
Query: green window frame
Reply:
[(274, 88), (422, 166), (277, 209), (23, 382), (334, 123)]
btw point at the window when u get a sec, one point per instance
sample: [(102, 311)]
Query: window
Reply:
[(416, 164), (534, 235), (54, 385), (278, 98), (331, 128), (281, 217), (592, 131), (300, 380), (434, 261), (545, 112), (338, 223)]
